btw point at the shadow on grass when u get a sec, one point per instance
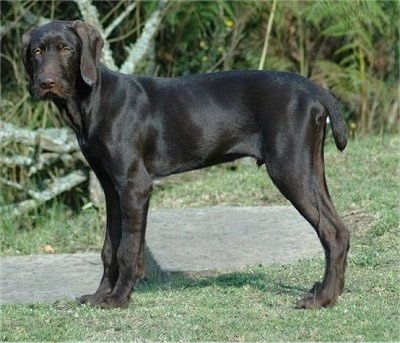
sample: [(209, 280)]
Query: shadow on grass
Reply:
[(257, 279)]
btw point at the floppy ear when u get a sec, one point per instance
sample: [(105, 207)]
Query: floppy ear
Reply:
[(26, 42), (92, 43)]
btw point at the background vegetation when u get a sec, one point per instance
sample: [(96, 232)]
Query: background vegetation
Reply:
[(351, 47)]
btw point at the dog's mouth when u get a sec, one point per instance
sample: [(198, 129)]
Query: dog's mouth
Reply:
[(53, 93)]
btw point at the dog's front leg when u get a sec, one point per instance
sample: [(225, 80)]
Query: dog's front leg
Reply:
[(111, 242), (134, 197)]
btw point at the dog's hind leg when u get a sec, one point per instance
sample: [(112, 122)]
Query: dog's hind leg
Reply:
[(140, 267), (296, 166)]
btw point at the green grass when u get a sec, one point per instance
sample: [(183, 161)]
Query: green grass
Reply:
[(253, 305), (58, 226), (250, 306)]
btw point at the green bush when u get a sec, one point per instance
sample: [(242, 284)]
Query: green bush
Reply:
[(350, 47)]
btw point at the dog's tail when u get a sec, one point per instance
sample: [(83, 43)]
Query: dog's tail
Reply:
[(337, 121)]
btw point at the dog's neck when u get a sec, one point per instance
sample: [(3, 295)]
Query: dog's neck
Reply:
[(71, 113), (74, 111)]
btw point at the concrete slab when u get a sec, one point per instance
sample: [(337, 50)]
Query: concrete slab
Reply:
[(190, 242), (36, 278), (204, 241)]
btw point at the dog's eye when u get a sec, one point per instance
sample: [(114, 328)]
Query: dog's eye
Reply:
[(37, 52), (64, 48)]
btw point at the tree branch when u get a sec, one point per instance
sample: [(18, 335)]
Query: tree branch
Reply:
[(55, 140), (119, 19), (91, 16), (267, 34), (139, 50), (59, 186)]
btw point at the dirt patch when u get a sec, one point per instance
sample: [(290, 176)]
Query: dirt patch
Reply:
[(358, 221)]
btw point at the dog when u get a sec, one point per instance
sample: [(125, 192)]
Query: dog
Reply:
[(135, 129)]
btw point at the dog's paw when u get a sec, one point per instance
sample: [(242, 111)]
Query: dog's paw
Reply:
[(112, 301), (308, 302), (316, 300), (91, 299)]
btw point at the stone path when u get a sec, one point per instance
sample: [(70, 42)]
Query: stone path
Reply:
[(189, 242), (27, 279)]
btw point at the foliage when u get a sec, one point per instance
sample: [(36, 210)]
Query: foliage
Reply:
[(363, 57), (350, 46)]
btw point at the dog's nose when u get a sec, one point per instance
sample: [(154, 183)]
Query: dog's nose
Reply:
[(47, 82)]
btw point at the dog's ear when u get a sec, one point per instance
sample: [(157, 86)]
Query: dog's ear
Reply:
[(26, 54), (92, 43)]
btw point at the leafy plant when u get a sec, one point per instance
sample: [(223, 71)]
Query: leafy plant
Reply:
[(360, 26)]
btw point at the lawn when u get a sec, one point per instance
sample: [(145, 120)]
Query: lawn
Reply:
[(256, 304)]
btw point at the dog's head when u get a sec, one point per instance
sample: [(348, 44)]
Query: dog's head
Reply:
[(59, 54)]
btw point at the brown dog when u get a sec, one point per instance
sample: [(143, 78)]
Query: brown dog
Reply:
[(134, 129)]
